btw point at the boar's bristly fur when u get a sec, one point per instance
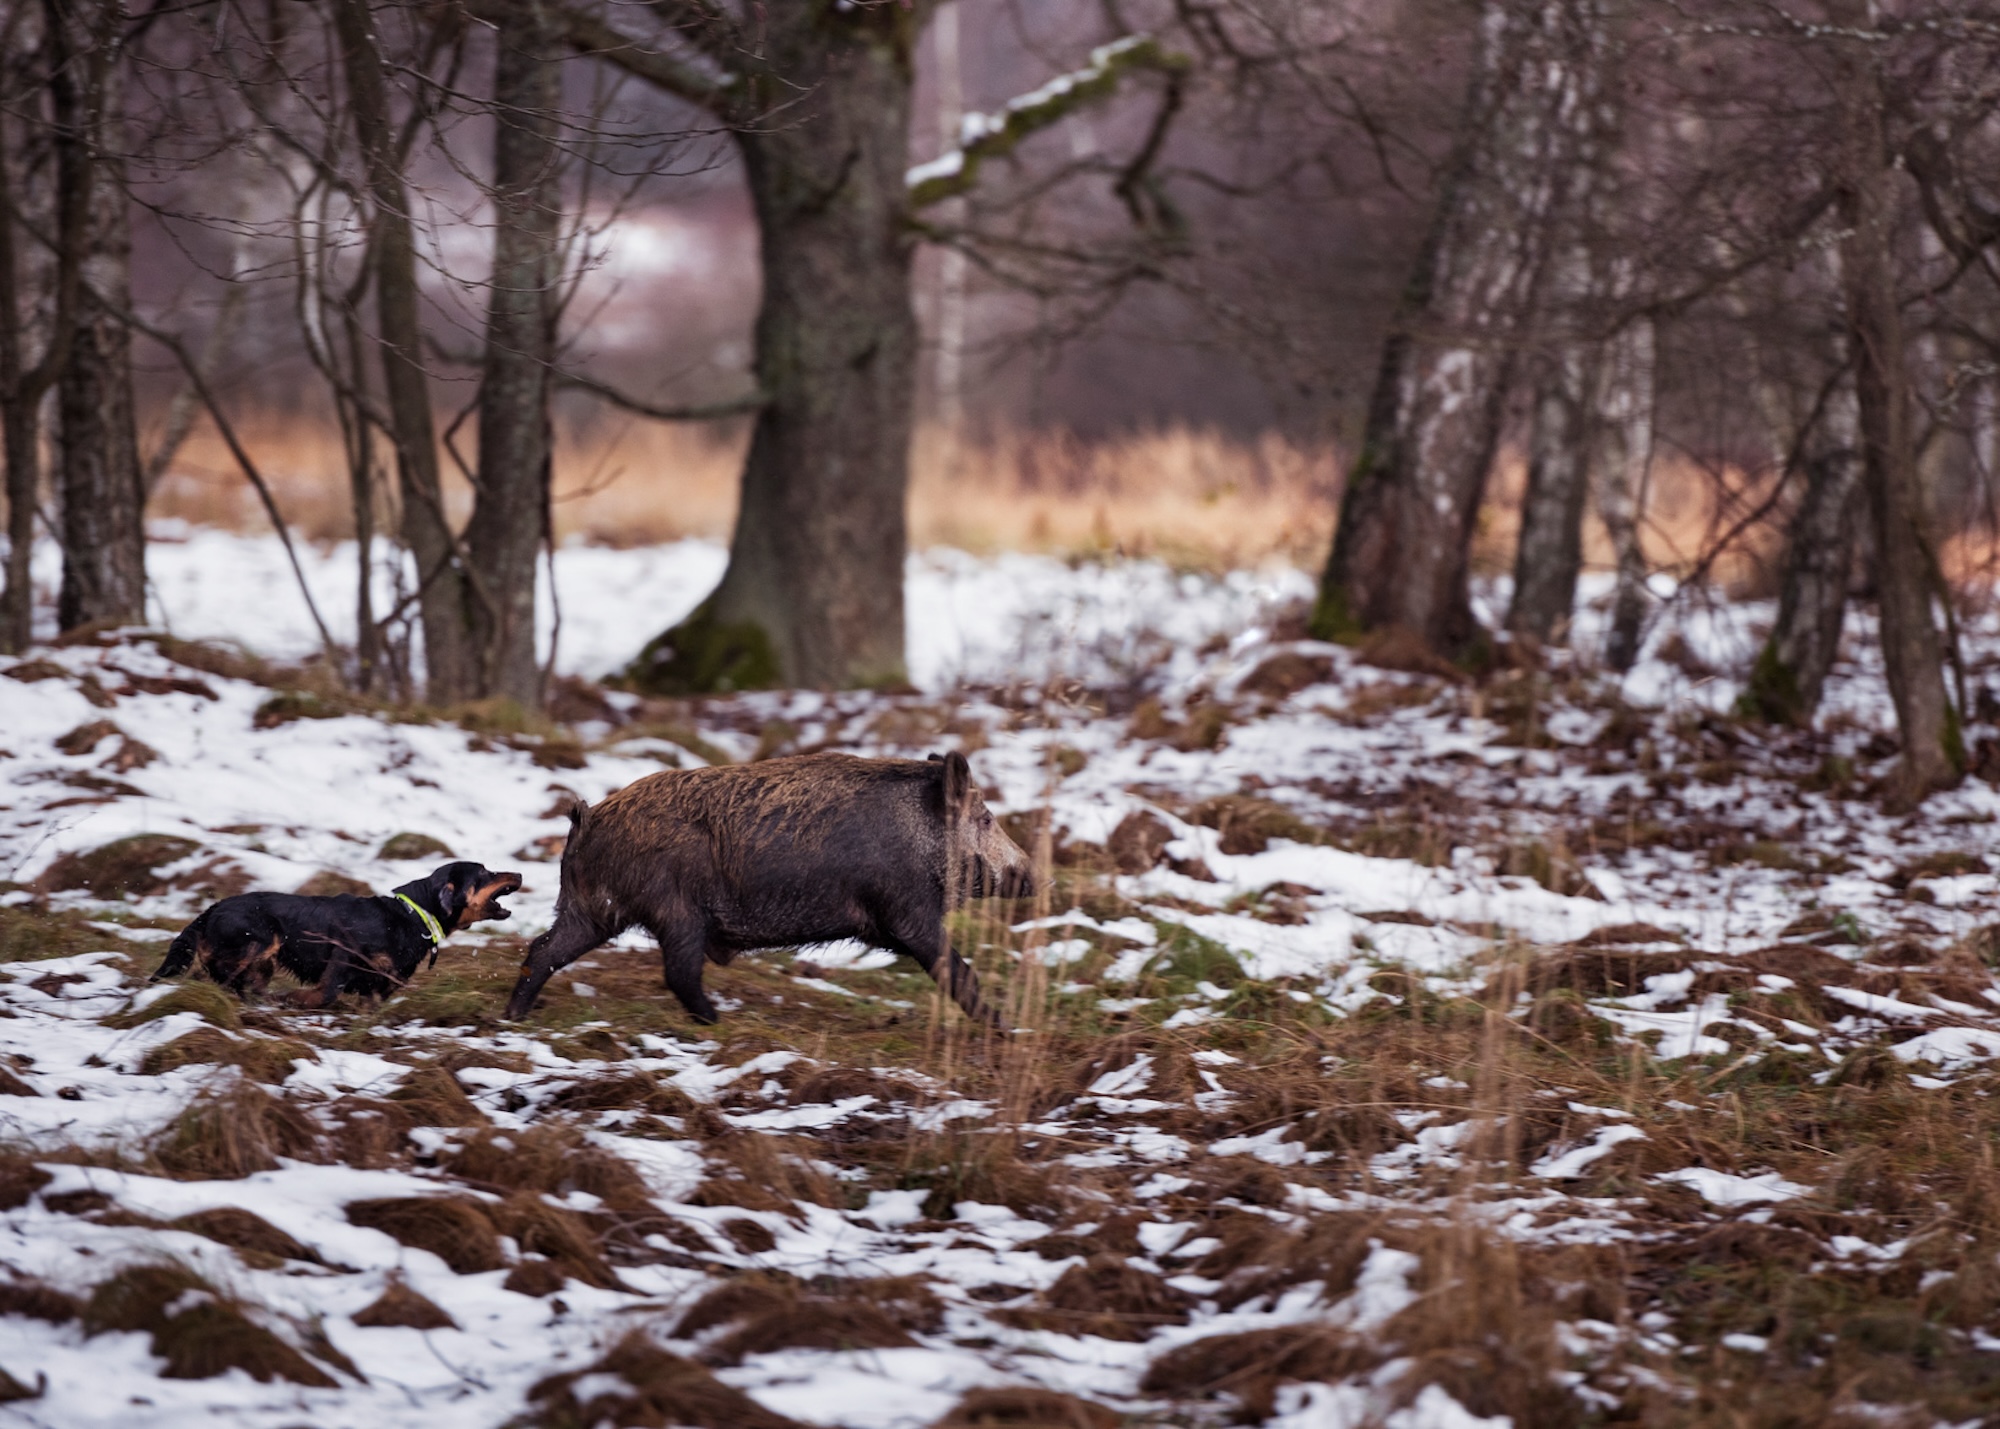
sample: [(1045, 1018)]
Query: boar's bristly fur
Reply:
[(807, 849)]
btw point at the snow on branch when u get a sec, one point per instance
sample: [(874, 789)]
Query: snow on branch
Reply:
[(986, 136)]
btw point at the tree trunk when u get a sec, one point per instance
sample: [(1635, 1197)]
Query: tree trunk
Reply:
[(511, 519), (1933, 752), (1400, 550), (1550, 552), (1623, 462), (1791, 670), (392, 257), (100, 483), (813, 595), (20, 431)]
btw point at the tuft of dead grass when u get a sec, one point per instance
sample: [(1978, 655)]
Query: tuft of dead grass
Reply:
[(1105, 1296), (641, 1386), (764, 1312), (248, 1234), (20, 1178), (1250, 1366), (1027, 1407), (37, 1300), (432, 1097), (262, 1059), (233, 1133), (123, 868), (549, 1158), (400, 1306), (561, 1237), (198, 1331), (456, 1229), (213, 1004)]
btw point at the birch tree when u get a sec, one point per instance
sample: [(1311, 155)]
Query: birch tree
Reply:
[(1568, 367), (1400, 549), (1622, 469)]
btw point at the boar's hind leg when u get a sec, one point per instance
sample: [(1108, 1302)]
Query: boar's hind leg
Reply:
[(683, 953), (570, 938), (930, 951)]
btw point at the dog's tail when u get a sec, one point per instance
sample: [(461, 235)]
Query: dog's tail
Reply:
[(181, 952)]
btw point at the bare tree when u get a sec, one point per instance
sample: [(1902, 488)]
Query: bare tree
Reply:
[(1792, 666), (1549, 554), (818, 98), (511, 520), (101, 484), (1400, 550), (392, 257), (1905, 575), (1623, 466), (23, 384)]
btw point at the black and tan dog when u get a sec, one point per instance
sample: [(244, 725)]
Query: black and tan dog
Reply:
[(345, 943)]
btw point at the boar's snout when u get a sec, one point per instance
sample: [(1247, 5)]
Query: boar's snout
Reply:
[(999, 866)]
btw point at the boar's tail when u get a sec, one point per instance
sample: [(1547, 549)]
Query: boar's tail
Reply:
[(180, 954)]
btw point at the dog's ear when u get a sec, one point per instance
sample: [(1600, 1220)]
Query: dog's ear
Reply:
[(444, 883)]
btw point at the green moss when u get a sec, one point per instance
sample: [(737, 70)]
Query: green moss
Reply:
[(1332, 618), (1186, 958), (28, 934), (705, 655), (1954, 738), (407, 847), (1772, 694), (289, 705), (123, 868), (211, 1003)]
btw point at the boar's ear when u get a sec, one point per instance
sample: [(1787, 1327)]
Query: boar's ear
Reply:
[(957, 781)]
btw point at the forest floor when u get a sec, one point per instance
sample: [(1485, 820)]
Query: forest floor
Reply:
[(1401, 1049)]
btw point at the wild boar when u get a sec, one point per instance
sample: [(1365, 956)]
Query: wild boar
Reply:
[(806, 849)]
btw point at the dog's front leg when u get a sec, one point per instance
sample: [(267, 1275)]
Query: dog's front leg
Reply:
[(339, 960)]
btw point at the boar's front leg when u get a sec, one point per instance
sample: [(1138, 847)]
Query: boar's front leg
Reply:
[(925, 945), (570, 938), (683, 954)]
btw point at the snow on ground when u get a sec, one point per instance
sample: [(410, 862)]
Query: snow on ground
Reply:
[(971, 620), (1319, 829)]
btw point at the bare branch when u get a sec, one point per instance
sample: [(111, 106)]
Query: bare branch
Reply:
[(989, 136)]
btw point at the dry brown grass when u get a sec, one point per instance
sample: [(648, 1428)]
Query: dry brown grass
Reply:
[(258, 1241), (1026, 1407), (398, 1305), (456, 1229), (1194, 497), (1105, 1296), (763, 1313), (262, 1059), (659, 1390), (20, 1178), (37, 1300), (233, 1132), (197, 1330)]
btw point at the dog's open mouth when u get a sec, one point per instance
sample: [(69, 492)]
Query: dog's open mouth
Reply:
[(486, 899)]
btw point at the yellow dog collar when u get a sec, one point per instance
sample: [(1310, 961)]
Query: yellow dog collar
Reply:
[(430, 924)]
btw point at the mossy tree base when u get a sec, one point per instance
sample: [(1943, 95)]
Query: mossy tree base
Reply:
[(703, 656), (1773, 694)]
